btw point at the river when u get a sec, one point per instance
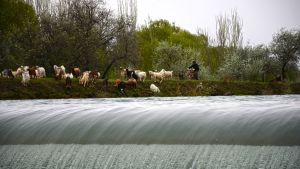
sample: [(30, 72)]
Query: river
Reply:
[(168, 132)]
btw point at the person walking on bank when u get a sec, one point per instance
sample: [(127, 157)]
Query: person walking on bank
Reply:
[(195, 66)]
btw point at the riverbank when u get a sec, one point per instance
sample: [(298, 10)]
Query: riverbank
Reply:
[(48, 88)]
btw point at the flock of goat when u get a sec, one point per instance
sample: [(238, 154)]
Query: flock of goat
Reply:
[(89, 77), (26, 73), (138, 75)]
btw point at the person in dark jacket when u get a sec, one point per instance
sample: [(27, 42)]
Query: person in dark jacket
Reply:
[(196, 69)]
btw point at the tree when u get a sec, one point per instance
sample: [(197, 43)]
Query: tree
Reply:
[(41, 6), (257, 58), (233, 67), (78, 34), (15, 15), (161, 34), (85, 34), (211, 55), (188, 40), (17, 20), (173, 57), (149, 37), (229, 37), (248, 63), (124, 47), (166, 56), (236, 25), (285, 46), (229, 30), (222, 30)]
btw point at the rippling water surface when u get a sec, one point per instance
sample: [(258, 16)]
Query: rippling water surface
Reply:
[(181, 132)]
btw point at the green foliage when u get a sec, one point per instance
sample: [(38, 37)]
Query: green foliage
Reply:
[(15, 15), (73, 36), (47, 88), (212, 58), (166, 56), (149, 37), (146, 49), (255, 63), (174, 57), (166, 46), (162, 29), (88, 35), (188, 40), (18, 24), (206, 74), (82, 34), (286, 49), (233, 67), (245, 64)]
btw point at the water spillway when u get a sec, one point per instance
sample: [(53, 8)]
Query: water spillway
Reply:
[(182, 132), (202, 120)]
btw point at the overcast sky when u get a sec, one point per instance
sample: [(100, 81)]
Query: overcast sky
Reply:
[(261, 18)]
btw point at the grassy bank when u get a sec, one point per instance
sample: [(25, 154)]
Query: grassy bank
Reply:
[(48, 88)]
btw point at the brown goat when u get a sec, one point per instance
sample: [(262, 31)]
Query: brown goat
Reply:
[(76, 72), (32, 72), (131, 83)]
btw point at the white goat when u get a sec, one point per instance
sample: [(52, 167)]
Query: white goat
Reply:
[(25, 68), (41, 71), (156, 76), (14, 73), (142, 75), (59, 70), (70, 75), (25, 78), (85, 78), (19, 71), (154, 88), (167, 74), (122, 73)]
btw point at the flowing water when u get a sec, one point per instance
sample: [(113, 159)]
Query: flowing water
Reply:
[(182, 132)]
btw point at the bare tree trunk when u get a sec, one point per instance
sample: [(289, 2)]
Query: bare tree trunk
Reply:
[(236, 36), (113, 61), (229, 30), (108, 68), (222, 33), (283, 72)]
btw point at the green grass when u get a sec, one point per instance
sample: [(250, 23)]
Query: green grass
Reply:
[(48, 88)]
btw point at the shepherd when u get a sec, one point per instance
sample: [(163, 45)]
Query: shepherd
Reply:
[(196, 69)]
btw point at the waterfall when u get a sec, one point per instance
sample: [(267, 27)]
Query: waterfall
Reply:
[(181, 132)]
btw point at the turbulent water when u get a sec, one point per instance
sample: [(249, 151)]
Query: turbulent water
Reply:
[(181, 132)]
